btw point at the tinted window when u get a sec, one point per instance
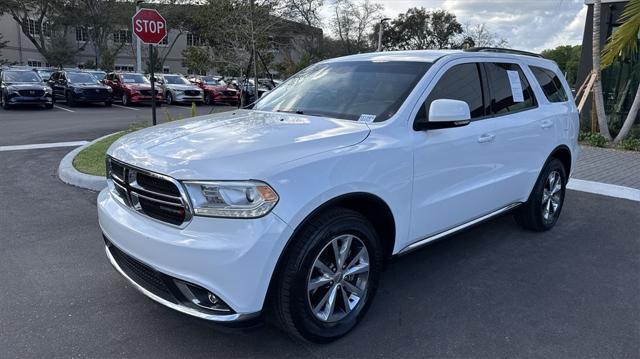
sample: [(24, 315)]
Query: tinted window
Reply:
[(550, 84), (21, 76), (134, 79), (502, 91), (346, 90), (461, 82), (81, 77)]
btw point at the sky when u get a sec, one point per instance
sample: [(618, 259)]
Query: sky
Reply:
[(532, 25)]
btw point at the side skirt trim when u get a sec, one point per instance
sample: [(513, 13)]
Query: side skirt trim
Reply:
[(415, 245)]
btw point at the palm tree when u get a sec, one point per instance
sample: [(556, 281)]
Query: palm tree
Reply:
[(623, 44), (597, 85)]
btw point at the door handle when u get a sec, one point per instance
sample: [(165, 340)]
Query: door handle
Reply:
[(487, 137), (546, 123)]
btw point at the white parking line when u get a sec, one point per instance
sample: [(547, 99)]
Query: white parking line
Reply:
[(604, 189), (42, 145), (125, 107), (62, 108)]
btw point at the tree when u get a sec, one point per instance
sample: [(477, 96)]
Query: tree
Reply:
[(597, 85), (480, 36), (623, 45), (420, 29), (197, 59), (3, 43), (568, 59), (352, 22), (45, 23)]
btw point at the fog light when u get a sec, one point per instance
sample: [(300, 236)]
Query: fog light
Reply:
[(212, 298), (201, 297)]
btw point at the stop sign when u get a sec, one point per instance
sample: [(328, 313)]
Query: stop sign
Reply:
[(149, 26)]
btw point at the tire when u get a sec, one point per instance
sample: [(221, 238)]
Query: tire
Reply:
[(542, 209), (5, 104), (48, 106), (292, 303), (169, 98), (207, 100), (125, 99), (71, 102), (107, 104)]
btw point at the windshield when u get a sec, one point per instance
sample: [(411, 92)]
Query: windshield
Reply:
[(21, 76), (346, 90), (176, 80), (208, 80), (99, 75), (134, 79), (80, 77)]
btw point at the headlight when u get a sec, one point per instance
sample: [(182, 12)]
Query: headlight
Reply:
[(47, 89), (246, 199), (12, 89), (109, 89)]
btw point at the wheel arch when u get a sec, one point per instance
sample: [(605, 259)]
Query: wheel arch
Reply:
[(371, 206), (562, 153)]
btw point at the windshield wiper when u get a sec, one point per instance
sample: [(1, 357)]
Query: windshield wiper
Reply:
[(299, 112)]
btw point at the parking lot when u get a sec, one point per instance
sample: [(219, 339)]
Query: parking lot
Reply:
[(492, 291)]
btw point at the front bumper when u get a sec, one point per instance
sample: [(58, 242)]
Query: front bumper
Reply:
[(92, 96), (224, 98), (145, 99), (15, 99), (187, 98), (231, 258)]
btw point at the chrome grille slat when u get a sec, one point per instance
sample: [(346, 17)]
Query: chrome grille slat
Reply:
[(149, 193)]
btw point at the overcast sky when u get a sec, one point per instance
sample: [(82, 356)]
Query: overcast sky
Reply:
[(532, 25)]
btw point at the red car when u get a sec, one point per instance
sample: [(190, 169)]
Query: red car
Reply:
[(216, 90), (131, 87)]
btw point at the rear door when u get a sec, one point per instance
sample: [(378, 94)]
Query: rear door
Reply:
[(522, 134)]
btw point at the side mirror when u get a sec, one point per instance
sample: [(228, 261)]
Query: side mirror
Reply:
[(445, 113)]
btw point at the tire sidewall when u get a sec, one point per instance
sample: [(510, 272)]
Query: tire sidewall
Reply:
[(305, 321), (552, 165)]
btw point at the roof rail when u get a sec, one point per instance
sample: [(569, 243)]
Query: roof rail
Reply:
[(502, 50)]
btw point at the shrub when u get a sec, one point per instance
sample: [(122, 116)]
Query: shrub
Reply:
[(594, 139), (630, 144)]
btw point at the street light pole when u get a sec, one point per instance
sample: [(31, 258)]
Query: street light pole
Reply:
[(138, 44), (380, 33)]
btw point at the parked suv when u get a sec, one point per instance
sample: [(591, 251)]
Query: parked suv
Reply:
[(131, 87), (76, 86), (295, 206), (176, 88), (216, 90), (23, 87)]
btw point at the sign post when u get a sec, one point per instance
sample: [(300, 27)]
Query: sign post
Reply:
[(151, 28)]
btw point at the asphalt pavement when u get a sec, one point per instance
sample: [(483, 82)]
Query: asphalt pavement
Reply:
[(492, 291)]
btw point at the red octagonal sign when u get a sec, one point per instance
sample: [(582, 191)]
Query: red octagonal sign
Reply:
[(149, 26)]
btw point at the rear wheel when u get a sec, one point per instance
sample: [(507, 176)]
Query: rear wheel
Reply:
[(542, 210), (329, 276)]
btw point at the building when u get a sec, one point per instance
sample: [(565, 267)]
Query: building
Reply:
[(619, 81), (287, 45)]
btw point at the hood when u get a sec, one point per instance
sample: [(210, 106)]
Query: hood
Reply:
[(236, 145), (89, 85), (182, 87)]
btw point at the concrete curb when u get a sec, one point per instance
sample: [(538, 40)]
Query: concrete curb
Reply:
[(69, 175)]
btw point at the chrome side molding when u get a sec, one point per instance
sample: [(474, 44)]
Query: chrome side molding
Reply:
[(422, 242)]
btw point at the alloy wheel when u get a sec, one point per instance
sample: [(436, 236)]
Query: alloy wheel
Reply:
[(337, 281), (551, 196)]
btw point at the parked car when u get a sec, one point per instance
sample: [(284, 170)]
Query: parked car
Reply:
[(216, 90), (23, 87), (249, 93), (77, 86), (295, 206), (44, 72), (132, 88), (176, 88)]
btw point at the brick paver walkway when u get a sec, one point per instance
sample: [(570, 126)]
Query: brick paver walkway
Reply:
[(621, 168)]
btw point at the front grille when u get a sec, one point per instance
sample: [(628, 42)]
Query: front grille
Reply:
[(94, 93), (31, 93), (192, 93), (149, 193), (145, 92), (229, 93)]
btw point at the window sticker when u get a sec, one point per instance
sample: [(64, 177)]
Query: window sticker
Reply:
[(516, 86), (366, 118)]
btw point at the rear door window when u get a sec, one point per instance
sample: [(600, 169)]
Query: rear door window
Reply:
[(550, 84), (509, 88)]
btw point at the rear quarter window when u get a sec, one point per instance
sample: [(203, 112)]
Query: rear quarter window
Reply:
[(550, 84)]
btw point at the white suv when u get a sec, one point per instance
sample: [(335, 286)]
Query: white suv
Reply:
[(292, 208)]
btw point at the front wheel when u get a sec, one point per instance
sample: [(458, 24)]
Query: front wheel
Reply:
[(71, 101), (207, 100), (329, 276), (169, 98), (108, 103), (542, 210), (125, 100), (4, 102)]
